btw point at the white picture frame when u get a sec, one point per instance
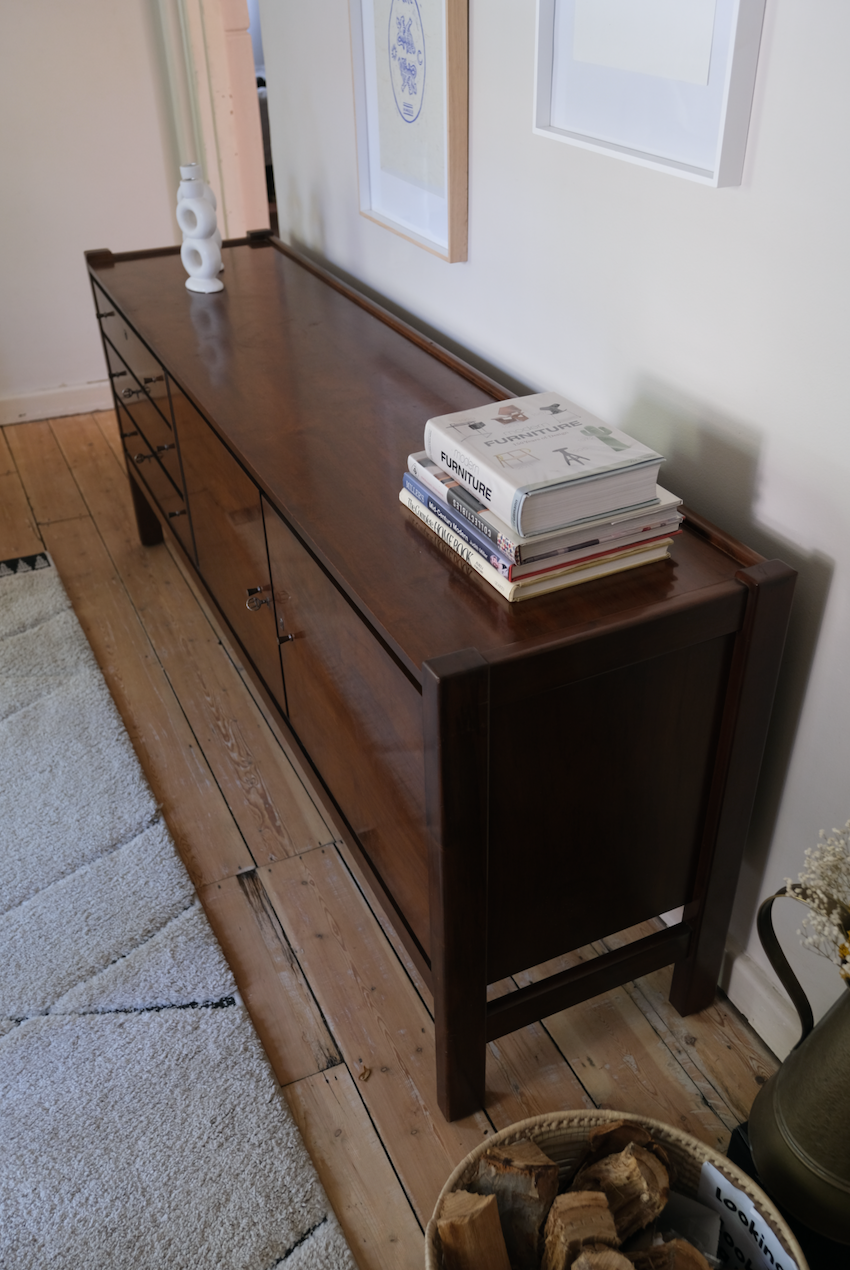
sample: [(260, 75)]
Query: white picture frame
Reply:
[(410, 62), (697, 130)]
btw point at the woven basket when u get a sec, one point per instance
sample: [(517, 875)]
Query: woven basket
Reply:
[(562, 1136)]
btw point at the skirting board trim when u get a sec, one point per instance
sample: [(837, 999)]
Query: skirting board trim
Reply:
[(764, 1005), (51, 403)]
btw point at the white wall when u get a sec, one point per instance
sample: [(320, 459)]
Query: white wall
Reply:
[(87, 161), (711, 323)]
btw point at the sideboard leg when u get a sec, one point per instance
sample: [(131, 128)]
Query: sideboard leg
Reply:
[(455, 710), (147, 522), (746, 716)]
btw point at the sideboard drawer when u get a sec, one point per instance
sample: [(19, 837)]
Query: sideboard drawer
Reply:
[(358, 716), (147, 465), (147, 418), (137, 356)]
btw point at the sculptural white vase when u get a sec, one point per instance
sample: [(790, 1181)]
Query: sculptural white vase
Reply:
[(201, 250)]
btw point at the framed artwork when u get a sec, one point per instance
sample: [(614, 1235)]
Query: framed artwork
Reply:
[(667, 84), (410, 61)]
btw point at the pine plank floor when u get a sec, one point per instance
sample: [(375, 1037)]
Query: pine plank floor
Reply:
[(344, 1018)]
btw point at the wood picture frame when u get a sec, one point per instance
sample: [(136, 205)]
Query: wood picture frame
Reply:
[(695, 128), (410, 61)]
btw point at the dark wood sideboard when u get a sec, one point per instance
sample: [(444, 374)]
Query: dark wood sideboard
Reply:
[(517, 779)]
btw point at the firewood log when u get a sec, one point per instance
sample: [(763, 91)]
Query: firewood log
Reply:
[(601, 1258), (678, 1254), (611, 1138), (636, 1183), (471, 1234), (525, 1182), (577, 1219)]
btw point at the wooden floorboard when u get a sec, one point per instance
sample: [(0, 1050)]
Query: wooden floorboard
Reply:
[(730, 1062), (18, 531), (108, 423), (171, 758), (7, 463), (340, 1009), (249, 766), (52, 490), (384, 1032), (270, 980), (356, 1171), (618, 1057)]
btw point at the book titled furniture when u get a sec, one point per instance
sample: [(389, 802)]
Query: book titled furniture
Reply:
[(516, 780)]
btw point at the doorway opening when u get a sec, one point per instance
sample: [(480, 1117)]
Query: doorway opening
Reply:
[(255, 31)]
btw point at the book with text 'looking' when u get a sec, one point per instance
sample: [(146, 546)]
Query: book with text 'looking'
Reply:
[(540, 463)]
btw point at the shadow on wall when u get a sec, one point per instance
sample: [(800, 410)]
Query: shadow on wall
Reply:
[(712, 463), (514, 387)]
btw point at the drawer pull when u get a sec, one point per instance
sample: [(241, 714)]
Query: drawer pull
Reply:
[(111, 313), (141, 458), (253, 601), (284, 639), (181, 512), (161, 448), (116, 374), (129, 434), (132, 392), (153, 379)]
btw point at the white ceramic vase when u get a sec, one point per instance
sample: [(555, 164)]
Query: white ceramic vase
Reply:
[(201, 250)]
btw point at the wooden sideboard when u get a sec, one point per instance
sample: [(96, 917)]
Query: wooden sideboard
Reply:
[(518, 780)]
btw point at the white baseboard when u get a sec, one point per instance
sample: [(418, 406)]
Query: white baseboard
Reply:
[(50, 403), (765, 1006)]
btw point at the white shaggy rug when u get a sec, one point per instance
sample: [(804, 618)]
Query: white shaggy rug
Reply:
[(140, 1123)]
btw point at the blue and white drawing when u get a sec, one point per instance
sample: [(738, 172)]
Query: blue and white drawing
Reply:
[(406, 43)]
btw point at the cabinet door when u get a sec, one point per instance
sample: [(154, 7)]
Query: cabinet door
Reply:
[(359, 718), (228, 522)]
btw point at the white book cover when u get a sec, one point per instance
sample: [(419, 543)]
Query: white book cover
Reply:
[(542, 449)]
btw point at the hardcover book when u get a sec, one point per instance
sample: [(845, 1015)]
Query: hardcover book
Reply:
[(540, 463), (590, 548), (658, 516), (552, 580)]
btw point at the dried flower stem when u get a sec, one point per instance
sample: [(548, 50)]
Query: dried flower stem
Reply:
[(824, 885)]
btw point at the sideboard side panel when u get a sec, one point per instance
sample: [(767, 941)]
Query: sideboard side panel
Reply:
[(600, 786)]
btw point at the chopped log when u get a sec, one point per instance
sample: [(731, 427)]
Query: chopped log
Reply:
[(471, 1234), (636, 1183), (611, 1138), (525, 1182), (577, 1219), (601, 1258), (677, 1254)]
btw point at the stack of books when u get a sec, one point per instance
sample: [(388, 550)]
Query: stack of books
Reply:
[(537, 495)]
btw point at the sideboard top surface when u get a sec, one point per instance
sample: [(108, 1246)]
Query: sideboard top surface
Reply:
[(322, 401)]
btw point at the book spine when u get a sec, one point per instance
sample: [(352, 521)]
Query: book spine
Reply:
[(495, 492), (481, 567), (437, 507), (466, 505)]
